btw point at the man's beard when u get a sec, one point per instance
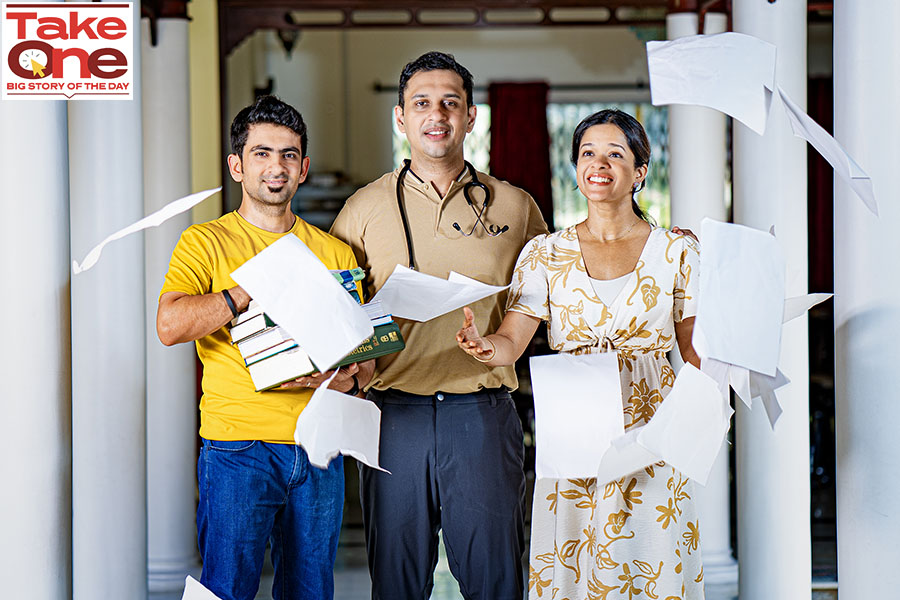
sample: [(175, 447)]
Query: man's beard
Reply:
[(276, 196)]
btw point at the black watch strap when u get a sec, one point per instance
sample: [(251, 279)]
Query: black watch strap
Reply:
[(230, 302), (355, 389)]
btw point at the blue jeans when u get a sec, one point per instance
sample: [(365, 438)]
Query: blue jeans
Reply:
[(252, 492)]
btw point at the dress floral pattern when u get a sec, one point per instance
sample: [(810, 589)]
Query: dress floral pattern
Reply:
[(637, 537)]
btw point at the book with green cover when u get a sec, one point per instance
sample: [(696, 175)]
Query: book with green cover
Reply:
[(294, 362), (385, 340)]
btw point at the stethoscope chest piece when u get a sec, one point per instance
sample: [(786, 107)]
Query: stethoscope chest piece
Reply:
[(491, 230)]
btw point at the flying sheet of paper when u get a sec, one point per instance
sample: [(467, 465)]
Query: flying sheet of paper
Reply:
[(747, 385), (176, 207), (689, 426), (625, 455), (194, 590), (577, 412), (416, 296), (763, 387), (302, 296), (798, 305), (741, 305), (843, 164), (334, 423), (731, 72)]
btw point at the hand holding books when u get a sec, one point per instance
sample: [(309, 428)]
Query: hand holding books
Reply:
[(275, 360), (345, 381)]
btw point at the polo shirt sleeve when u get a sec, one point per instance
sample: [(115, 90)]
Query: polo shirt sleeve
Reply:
[(348, 228), (536, 224), (529, 289)]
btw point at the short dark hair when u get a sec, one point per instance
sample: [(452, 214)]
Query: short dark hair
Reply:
[(634, 133), (266, 109), (436, 61)]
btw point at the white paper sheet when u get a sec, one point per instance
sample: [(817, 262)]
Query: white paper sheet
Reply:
[(741, 304), (577, 412), (689, 425), (843, 164), (416, 296), (731, 72), (798, 305), (302, 296), (176, 207), (735, 74), (763, 387), (625, 455), (334, 423), (194, 590)]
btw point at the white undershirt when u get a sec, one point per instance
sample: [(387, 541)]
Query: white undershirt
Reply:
[(608, 289)]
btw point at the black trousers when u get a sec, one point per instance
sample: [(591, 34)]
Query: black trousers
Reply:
[(456, 465)]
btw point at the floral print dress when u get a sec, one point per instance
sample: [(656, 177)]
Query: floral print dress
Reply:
[(637, 537)]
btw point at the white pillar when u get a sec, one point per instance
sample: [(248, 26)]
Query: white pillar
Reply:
[(109, 495), (171, 380), (867, 300), (697, 157), (774, 543), (697, 153), (35, 546)]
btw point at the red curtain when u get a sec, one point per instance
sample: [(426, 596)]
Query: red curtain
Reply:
[(520, 142)]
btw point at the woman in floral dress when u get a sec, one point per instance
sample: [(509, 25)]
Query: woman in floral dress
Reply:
[(613, 282)]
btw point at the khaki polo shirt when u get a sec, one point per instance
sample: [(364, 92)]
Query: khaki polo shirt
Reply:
[(371, 225)]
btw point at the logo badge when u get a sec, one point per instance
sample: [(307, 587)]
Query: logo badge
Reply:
[(66, 50)]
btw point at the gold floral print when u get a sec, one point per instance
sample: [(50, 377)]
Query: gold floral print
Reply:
[(583, 491), (553, 497), (632, 581), (666, 376), (578, 328), (646, 284), (597, 590), (672, 509), (642, 403), (563, 263), (630, 496), (692, 536), (636, 537)]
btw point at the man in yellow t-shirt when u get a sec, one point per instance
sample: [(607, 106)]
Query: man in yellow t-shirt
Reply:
[(255, 484)]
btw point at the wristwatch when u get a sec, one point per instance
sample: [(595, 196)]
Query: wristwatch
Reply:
[(355, 389)]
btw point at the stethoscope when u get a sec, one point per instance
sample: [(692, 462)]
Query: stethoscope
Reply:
[(491, 230)]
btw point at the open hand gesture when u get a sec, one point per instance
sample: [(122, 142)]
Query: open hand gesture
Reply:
[(470, 341)]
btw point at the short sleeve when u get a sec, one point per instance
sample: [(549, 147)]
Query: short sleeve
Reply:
[(190, 268), (536, 224), (529, 289), (687, 281), (347, 228)]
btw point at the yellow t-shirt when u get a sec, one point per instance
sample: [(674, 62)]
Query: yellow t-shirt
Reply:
[(202, 262)]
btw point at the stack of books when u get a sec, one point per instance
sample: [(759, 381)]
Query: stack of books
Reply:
[(273, 357)]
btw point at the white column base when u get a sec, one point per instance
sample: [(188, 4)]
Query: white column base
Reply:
[(168, 575)]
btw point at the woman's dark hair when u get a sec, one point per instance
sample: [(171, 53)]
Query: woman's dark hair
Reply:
[(267, 109), (436, 61), (634, 134)]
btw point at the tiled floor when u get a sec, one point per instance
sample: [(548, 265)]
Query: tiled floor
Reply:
[(351, 578)]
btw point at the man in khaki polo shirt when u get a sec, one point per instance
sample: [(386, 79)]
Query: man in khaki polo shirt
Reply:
[(450, 434)]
